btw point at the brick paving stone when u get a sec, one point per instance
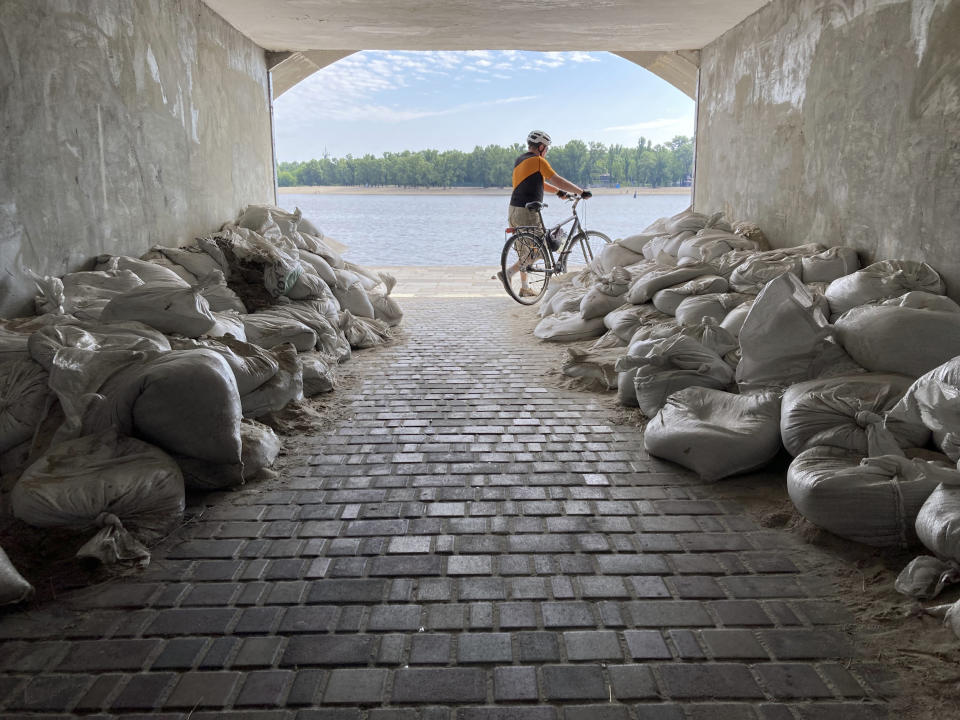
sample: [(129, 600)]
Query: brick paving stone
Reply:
[(191, 621), (721, 711), (337, 650), (144, 691), (686, 644), (449, 685), (258, 652), (568, 614), (792, 680), (632, 682), (346, 591), (203, 689), (573, 682), (511, 712), (218, 653), (672, 613), (105, 655), (96, 697), (713, 680), (739, 612), (355, 686), (514, 683), (484, 648), (394, 617), (595, 712), (843, 711), (308, 619), (430, 649), (729, 644), (263, 688), (646, 644), (806, 644), (592, 645), (538, 646)]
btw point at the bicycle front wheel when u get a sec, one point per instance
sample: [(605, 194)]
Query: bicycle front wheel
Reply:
[(584, 247), (525, 268)]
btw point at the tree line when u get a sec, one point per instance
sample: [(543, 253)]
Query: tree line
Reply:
[(593, 164)]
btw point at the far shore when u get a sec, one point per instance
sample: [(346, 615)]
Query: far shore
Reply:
[(399, 190)]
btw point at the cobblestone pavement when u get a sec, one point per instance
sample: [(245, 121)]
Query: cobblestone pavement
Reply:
[(471, 543)]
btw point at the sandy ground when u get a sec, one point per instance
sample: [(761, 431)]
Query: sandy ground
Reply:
[(396, 190)]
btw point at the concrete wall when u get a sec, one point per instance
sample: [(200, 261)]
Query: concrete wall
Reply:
[(838, 121), (125, 124)]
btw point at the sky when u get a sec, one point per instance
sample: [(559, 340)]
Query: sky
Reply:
[(388, 101)]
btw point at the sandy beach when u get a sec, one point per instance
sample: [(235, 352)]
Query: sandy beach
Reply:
[(398, 190)]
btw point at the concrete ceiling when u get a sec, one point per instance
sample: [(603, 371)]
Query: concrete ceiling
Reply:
[(660, 35)]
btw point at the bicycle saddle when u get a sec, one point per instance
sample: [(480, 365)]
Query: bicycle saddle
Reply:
[(535, 205)]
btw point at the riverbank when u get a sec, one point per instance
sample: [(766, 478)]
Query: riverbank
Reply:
[(398, 190)]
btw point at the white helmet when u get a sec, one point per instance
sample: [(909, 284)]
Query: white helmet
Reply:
[(538, 137)]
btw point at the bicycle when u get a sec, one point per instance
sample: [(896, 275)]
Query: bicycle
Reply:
[(527, 250)]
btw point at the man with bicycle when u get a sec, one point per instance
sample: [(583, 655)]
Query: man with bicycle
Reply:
[(531, 174)]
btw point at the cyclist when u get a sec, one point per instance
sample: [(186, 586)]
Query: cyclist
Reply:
[(531, 174)]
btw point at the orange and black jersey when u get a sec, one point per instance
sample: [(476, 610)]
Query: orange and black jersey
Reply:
[(529, 172)]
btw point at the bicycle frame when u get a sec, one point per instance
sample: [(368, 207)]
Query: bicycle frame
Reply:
[(567, 247)]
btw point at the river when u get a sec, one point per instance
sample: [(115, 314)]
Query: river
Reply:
[(385, 230)]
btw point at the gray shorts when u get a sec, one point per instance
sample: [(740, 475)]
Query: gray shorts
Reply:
[(521, 217)]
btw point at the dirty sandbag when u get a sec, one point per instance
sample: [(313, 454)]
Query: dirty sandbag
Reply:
[(15, 334), (890, 338), (220, 297), (308, 286), (252, 365), (784, 338), (925, 577), (261, 446), (626, 388), (635, 243), (564, 300), (667, 300), (568, 327), (367, 278), (643, 288), (733, 320), (830, 264), (848, 412), (687, 220), (755, 272), (657, 330), (874, 501), (933, 400), (26, 398), (83, 289), (194, 259), (363, 332), (284, 387), (612, 256), (664, 248), (148, 272), (714, 433), (261, 218), (169, 309), (625, 320), (46, 341), (186, 402), (881, 281), (385, 308), (938, 521), (319, 266), (155, 257), (49, 298), (269, 329), (708, 245), (229, 324), (106, 481), (711, 336), (607, 341), (726, 263), (329, 337), (694, 309), (605, 295), (14, 588), (924, 301), (318, 373), (350, 294), (596, 369)]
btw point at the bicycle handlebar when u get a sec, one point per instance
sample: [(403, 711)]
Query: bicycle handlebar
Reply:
[(563, 195)]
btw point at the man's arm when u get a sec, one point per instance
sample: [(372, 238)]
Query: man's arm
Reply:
[(559, 183)]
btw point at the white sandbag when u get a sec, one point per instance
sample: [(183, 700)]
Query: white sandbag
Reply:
[(24, 400), (148, 272), (924, 301), (268, 329), (733, 320), (83, 289), (612, 256), (659, 330), (713, 337), (568, 327), (635, 243), (319, 266), (785, 338), (185, 402), (130, 489), (874, 501), (565, 300), (726, 263), (755, 272), (664, 248), (167, 308), (363, 332), (228, 323), (330, 338), (625, 320), (251, 365), (308, 286), (193, 258), (597, 368), (708, 245), (261, 446), (882, 281), (830, 264), (222, 299), (134, 336), (284, 387), (938, 521), (847, 412), (890, 338), (690, 220), (667, 300), (605, 295), (646, 286), (351, 295), (695, 309), (934, 401), (626, 388), (385, 308), (714, 433), (13, 586), (925, 576), (318, 374)]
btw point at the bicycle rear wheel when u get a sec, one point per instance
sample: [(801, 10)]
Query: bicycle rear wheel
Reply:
[(525, 268), (584, 247)]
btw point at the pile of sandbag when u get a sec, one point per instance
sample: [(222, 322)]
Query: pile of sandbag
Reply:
[(142, 377)]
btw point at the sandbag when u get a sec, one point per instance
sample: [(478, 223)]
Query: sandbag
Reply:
[(351, 295), (194, 259), (251, 365), (185, 401), (716, 434), (646, 286), (626, 388), (363, 332), (874, 501), (261, 446), (269, 329), (695, 309), (228, 324), (564, 300), (568, 327), (938, 521), (13, 586), (785, 338), (755, 272), (320, 266), (636, 243), (83, 289), (667, 300), (318, 374), (848, 412), (925, 576), (597, 368), (221, 298), (924, 301), (148, 272), (167, 308), (908, 341), (710, 244), (881, 281), (625, 320), (605, 295), (664, 248), (46, 341), (713, 337), (830, 264), (933, 400), (330, 337), (284, 387), (733, 320), (385, 308), (131, 491), (657, 330), (24, 400), (612, 256)]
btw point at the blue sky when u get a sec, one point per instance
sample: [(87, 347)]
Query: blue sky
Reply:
[(387, 101)]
